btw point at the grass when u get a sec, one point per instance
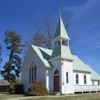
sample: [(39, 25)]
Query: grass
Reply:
[(7, 95), (92, 96)]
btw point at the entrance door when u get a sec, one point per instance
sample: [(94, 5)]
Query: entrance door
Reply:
[(56, 83)]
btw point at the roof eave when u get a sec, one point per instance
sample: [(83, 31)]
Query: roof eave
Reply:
[(59, 37), (53, 59)]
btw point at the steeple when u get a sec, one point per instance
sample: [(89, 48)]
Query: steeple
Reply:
[(61, 33), (61, 41)]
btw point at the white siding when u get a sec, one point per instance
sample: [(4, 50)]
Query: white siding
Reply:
[(49, 79), (25, 80), (56, 65), (67, 67), (63, 67), (95, 82), (40, 68), (81, 78), (40, 74)]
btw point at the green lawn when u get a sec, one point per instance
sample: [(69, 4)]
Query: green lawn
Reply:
[(7, 95), (92, 96)]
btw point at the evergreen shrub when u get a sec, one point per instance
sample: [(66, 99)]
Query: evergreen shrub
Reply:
[(37, 89), (12, 89), (19, 89), (16, 89)]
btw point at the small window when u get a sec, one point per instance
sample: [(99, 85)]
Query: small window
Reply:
[(56, 72), (77, 79), (66, 77), (84, 79)]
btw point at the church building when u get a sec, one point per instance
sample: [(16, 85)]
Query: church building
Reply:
[(58, 69)]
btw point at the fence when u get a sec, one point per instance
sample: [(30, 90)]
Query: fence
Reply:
[(86, 88)]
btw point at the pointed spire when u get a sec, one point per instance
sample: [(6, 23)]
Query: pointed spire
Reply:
[(61, 51), (61, 32)]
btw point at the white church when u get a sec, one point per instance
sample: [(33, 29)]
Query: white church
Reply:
[(58, 69)]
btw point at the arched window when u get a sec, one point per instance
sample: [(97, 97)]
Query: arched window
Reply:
[(84, 79), (66, 77), (30, 75), (35, 73), (56, 72), (77, 79)]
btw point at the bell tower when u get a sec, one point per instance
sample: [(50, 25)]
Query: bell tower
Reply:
[(61, 37), (62, 59)]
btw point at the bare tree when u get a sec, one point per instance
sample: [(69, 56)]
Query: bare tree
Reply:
[(42, 32), (18, 80), (0, 56), (67, 18)]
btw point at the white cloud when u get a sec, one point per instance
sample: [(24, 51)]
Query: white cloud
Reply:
[(94, 45), (89, 39), (87, 18), (87, 27)]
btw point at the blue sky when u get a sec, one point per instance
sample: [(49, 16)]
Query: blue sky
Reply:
[(18, 15)]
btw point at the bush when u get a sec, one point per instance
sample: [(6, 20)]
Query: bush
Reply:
[(16, 89), (19, 89), (37, 89), (12, 89)]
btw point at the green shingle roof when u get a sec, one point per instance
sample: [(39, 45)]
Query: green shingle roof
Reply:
[(60, 32), (94, 75), (61, 52), (45, 54), (80, 66)]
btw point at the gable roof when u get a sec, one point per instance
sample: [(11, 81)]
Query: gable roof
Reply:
[(78, 65), (4, 83), (60, 32), (44, 54), (94, 75)]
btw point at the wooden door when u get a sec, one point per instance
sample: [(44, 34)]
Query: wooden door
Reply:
[(56, 83)]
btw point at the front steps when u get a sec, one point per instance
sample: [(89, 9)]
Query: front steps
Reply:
[(55, 93)]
